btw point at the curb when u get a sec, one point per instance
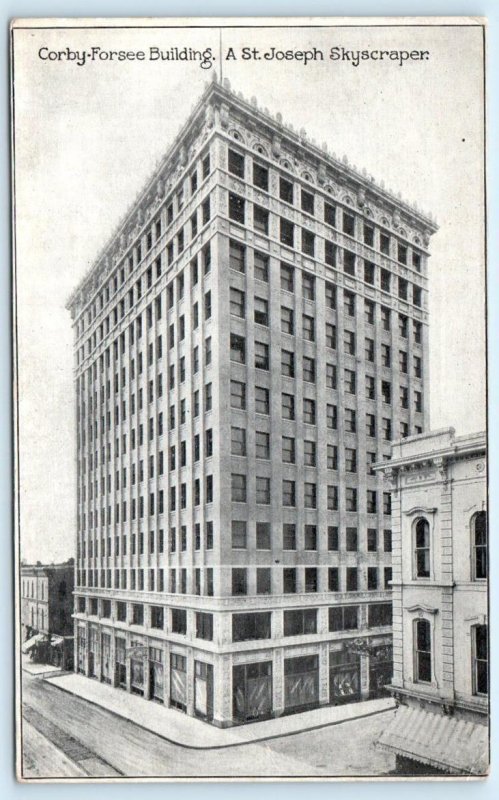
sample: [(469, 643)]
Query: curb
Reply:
[(231, 744)]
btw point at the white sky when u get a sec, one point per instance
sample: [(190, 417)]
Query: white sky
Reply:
[(88, 137)]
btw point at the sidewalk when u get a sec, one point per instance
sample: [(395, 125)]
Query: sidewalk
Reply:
[(193, 733)]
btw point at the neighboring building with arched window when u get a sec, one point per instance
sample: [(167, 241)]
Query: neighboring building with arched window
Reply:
[(440, 611)]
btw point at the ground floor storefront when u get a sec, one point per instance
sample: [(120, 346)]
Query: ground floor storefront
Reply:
[(233, 688)]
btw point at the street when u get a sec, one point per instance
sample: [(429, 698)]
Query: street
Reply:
[(66, 736)]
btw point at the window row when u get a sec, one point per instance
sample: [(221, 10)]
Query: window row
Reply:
[(343, 219)]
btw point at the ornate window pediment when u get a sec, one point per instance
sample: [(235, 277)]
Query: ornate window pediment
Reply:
[(418, 608)]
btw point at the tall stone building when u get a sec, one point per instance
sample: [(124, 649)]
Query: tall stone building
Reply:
[(440, 615), (247, 345)]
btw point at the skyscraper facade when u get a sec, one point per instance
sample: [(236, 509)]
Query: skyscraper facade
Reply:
[(248, 344)]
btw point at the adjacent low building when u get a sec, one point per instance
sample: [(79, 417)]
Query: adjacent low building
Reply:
[(46, 611), (440, 610)]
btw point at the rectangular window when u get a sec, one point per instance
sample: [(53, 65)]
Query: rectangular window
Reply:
[(289, 536), (330, 292), (307, 201), (288, 406), (262, 445), (331, 416), (379, 615), (288, 450), (289, 580), (239, 581), (288, 493), (236, 208), (263, 580), (287, 234), (350, 420), (262, 400), (350, 459), (238, 441), (310, 537), (287, 278), (238, 488), (286, 190), (179, 621), (262, 490), (237, 394), (348, 224), (308, 411), (263, 536), (261, 220), (239, 537), (343, 618), (330, 253), (237, 256), (300, 622), (350, 381), (261, 267), (333, 539), (262, 355), (331, 336), (251, 626), (331, 381), (330, 215), (385, 318), (287, 320), (349, 262), (308, 369), (260, 176), (372, 540), (287, 363), (333, 579), (261, 311), (237, 348), (332, 498), (480, 659), (308, 286), (307, 242), (237, 302), (332, 456), (387, 429), (349, 303), (308, 328), (385, 280), (352, 579), (369, 272), (351, 540), (236, 163), (309, 454)]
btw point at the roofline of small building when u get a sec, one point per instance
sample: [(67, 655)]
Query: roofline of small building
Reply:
[(467, 444), (48, 567), (299, 139)]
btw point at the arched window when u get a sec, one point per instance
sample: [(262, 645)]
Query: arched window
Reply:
[(480, 659), (422, 549), (479, 546), (422, 650)]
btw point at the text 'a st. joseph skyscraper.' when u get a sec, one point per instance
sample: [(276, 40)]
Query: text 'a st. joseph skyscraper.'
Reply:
[(249, 342)]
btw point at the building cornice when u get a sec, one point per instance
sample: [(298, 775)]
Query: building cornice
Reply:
[(221, 98)]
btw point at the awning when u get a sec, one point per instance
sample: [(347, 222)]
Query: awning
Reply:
[(30, 643), (451, 744)]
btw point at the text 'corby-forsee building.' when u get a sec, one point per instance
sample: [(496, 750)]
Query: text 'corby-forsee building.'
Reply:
[(247, 345)]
